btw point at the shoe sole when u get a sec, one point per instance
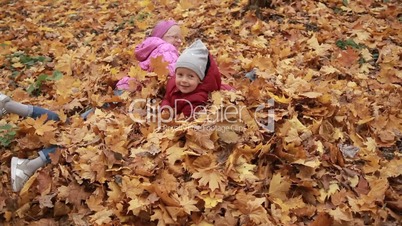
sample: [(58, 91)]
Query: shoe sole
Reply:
[(14, 163)]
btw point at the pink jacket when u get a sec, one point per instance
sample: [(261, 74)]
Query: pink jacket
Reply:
[(152, 47)]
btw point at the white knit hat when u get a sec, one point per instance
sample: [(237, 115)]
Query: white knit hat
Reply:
[(195, 57)]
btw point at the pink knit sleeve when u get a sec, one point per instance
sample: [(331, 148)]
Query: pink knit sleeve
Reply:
[(124, 84)]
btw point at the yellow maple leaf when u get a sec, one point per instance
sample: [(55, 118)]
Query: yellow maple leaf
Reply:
[(393, 168), (46, 29), (258, 27), (162, 216), (159, 66), (248, 119), (257, 213), (142, 25), (263, 63), (217, 99), (313, 42), (133, 71), (244, 33), (144, 3), (282, 99), (174, 153), (353, 181), (319, 49), (211, 177), (313, 163), (175, 212), (18, 65), (324, 194), (377, 193), (85, 171), (114, 193), (25, 189), (292, 136), (201, 137), (372, 163), (260, 42), (116, 140), (114, 71), (102, 217), (187, 4), (211, 199), (94, 203), (131, 186), (311, 94), (66, 86), (283, 213), (40, 124), (188, 204), (136, 204), (361, 36), (329, 70), (279, 187), (246, 171), (65, 64), (341, 214), (365, 53)]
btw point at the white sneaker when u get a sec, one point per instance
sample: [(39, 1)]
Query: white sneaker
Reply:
[(20, 173), (3, 100)]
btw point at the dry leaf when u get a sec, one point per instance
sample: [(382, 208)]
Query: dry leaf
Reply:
[(279, 187)]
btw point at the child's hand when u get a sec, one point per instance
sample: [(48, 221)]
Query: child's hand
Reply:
[(165, 114), (167, 118), (134, 85)]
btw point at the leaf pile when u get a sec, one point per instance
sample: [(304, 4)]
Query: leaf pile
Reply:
[(333, 70)]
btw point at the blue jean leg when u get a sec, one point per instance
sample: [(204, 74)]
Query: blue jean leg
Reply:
[(44, 153), (38, 112)]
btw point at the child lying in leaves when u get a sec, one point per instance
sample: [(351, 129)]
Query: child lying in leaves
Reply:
[(22, 169), (165, 40), (197, 75)]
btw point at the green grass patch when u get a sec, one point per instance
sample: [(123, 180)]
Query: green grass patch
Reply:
[(7, 134), (343, 44), (35, 88)]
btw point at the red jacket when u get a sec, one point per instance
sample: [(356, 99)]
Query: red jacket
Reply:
[(186, 102)]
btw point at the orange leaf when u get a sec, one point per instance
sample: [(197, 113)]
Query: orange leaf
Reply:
[(322, 219), (41, 127), (349, 57), (159, 66)]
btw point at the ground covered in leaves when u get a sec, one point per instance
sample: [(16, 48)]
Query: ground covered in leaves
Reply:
[(328, 75)]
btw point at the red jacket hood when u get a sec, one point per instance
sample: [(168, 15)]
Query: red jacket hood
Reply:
[(211, 82)]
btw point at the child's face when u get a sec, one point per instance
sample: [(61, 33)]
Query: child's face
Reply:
[(186, 80), (173, 36)]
